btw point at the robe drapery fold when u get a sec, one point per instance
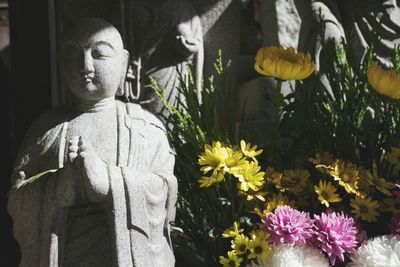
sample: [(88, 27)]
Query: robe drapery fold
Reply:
[(135, 212)]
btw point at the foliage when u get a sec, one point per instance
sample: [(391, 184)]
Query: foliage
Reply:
[(336, 145), (201, 214)]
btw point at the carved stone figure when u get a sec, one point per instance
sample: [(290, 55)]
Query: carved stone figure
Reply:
[(110, 194), (164, 38), (352, 20)]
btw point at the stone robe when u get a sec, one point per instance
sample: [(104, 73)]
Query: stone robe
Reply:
[(129, 228)]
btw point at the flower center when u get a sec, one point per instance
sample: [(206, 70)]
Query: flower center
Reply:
[(290, 182), (324, 195), (363, 209), (289, 57), (258, 250), (242, 248)]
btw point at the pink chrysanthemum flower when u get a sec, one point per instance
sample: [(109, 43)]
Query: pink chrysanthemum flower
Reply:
[(336, 234), (394, 225), (288, 226)]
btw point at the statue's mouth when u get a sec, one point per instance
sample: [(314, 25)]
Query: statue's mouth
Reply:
[(88, 78)]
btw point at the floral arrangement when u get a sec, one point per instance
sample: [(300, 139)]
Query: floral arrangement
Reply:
[(325, 191)]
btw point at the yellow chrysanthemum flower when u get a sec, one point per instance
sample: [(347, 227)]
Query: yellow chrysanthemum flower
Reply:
[(274, 201), (284, 63), (326, 193), (241, 244), (365, 208), (214, 157), (250, 177), (392, 205), (324, 162), (293, 180), (231, 261), (394, 157), (259, 245), (386, 82), (213, 179), (249, 151), (347, 175), (233, 231)]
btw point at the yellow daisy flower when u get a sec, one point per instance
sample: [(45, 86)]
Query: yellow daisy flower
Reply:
[(347, 175), (213, 179), (253, 195), (249, 151), (392, 205), (394, 157), (240, 244), (274, 201), (284, 63), (326, 193), (385, 82), (214, 157), (259, 245), (293, 180), (365, 208), (271, 176), (382, 185), (233, 231), (323, 162), (231, 261), (235, 162), (250, 177), (365, 183)]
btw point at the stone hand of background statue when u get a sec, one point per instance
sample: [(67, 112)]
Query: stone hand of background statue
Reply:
[(192, 45), (187, 46)]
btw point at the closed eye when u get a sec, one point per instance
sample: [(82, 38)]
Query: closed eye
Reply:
[(103, 50)]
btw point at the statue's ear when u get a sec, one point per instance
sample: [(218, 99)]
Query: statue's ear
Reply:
[(125, 60)]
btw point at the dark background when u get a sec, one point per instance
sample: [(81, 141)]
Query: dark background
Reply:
[(25, 88)]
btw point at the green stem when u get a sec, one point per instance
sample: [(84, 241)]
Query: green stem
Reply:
[(278, 97)]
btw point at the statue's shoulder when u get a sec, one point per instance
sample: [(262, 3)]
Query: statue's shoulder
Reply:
[(45, 123), (135, 111)]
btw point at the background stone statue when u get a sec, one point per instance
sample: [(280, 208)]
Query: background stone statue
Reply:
[(111, 192), (164, 39), (352, 20)]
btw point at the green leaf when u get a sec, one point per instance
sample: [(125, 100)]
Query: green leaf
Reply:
[(22, 182)]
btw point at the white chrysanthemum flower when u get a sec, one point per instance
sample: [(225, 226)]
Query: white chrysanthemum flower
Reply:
[(300, 256), (381, 251)]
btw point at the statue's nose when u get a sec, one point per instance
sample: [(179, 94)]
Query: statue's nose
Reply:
[(87, 63)]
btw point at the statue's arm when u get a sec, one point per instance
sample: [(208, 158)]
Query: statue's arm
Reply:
[(327, 12), (26, 205)]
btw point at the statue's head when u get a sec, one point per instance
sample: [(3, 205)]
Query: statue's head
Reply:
[(92, 59)]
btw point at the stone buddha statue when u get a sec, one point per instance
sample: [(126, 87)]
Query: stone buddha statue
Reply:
[(111, 195)]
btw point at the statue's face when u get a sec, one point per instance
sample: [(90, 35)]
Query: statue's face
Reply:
[(93, 64)]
